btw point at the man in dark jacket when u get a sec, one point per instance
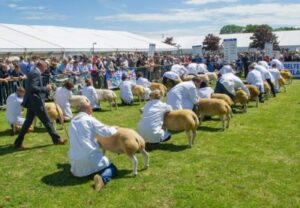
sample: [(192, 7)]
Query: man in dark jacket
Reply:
[(34, 102)]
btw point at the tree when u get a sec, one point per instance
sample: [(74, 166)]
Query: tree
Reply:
[(211, 43), (252, 28), (169, 41), (263, 34), (286, 28), (229, 29)]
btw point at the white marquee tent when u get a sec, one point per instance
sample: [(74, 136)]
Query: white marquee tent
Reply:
[(29, 38), (287, 39)]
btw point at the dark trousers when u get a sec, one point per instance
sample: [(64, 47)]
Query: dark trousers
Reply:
[(43, 116), (108, 173), (221, 89), (272, 87)]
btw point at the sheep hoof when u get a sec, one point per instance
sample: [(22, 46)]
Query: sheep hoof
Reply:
[(134, 174)]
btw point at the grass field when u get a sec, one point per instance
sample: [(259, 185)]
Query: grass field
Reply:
[(256, 163)]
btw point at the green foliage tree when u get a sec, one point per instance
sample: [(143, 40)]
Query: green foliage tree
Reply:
[(229, 29), (211, 43), (262, 35)]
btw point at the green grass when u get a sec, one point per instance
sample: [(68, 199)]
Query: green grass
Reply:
[(256, 163)]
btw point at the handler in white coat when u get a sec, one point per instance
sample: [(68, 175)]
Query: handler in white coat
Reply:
[(276, 75), (150, 127), (126, 90), (62, 97), (266, 75), (84, 153), (144, 83), (229, 83), (184, 95), (254, 77), (192, 68), (90, 92), (226, 69), (14, 108), (179, 69), (204, 91)]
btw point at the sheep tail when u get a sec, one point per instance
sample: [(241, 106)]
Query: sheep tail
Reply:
[(196, 119)]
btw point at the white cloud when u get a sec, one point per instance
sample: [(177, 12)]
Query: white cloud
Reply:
[(37, 15), (201, 2), (12, 5), (272, 13)]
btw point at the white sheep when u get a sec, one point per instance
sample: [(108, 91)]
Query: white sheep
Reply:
[(214, 107), (107, 95), (126, 141), (182, 120), (77, 100)]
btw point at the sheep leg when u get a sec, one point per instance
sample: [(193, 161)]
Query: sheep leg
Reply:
[(110, 105), (257, 100), (201, 119), (223, 122), (194, 135), (188, 133), (134, 164), (54, 123), (115, 101), (245, 108), (146, 158), (228, 120)]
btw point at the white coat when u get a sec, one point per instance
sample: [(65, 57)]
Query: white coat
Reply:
[(226, 69), (205, 92), (171, 75), (62, 96), (265, 73), (91, 94), (179, 69), (254, 77), (84, 153), (183, 96), (231, 82), (192, 68), (14, 110), (150, 127), (276, 75), (146, 84), (279, 64), (202, 68), (126, 91)]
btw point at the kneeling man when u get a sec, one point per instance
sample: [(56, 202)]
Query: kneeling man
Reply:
[(84, 154)]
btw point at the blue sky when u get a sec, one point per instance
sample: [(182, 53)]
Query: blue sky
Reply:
[(151, 18)]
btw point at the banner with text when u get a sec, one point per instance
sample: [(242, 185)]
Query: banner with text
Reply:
[(152, 48), (230, 50), (294, 68), (269, 49), (197, 50)]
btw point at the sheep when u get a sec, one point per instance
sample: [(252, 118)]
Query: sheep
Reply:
[(282, 83), (158, 86), (76, 100), (54, 112), (203, 77), (212, 76), (179, 120), (107, 95), (224, 97), (267, 90), (286, 74), (140, 92), (125, 141), (242, 98), (254, 93), (214, 107)]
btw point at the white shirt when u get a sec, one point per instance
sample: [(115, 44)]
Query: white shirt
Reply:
[(143, 82), (183, 96), (126, 91), (14, 109), (171, 75), (232, 82), (62, 96), (276, 74), (265, 73), (150, 127), (179, 69), (254, 78), (226, 69), (202, 68), (91, 94), (279, 64), (192, 68), (205, 92), (84, 153)]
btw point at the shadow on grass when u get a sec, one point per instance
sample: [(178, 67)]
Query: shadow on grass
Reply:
[(209, 129), (63, 177), (8, 149), (169, 147), (7, 132)]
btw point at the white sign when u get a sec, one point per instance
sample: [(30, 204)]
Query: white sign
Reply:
[(197, 50), (230, 50), (294, 68), (269, 49), (151, 51)]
